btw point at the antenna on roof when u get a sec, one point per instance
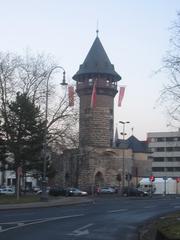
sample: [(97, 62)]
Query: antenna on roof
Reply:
[(97, 28)]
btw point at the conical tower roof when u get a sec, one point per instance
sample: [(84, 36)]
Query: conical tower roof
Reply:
[(97, 62)]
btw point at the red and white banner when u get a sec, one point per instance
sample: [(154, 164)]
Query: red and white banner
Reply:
[(93, 96), (121, 95), (71, 95)]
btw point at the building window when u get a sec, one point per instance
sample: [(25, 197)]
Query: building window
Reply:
[(169, 169), (158, 159), (170, 159), (177, 169), (9, 182), (170, 139), (160, 149), (177, 149), (151, 150), (169, 149), (173, 149), (158, 169), (160, 139)]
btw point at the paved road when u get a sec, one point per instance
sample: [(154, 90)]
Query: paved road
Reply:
[(110, 218)]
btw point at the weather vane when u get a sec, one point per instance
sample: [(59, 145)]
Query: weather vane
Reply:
[(97, 28)]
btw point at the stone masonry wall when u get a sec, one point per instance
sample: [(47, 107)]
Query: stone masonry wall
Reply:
[(80, 167), (96, 125)]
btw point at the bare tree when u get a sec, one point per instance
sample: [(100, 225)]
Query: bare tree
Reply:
[(28, 74), (170, 94)]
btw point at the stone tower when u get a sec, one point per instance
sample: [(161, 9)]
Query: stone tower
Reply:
[(96, 162), (96, 124)]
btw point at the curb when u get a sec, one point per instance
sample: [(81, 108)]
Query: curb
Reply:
[(52, 203)]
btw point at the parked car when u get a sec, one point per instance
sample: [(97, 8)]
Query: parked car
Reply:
[(7, 191), (36, 189), (75, 192), (57, 191), (134, 192), (40, 191), (107, 190)]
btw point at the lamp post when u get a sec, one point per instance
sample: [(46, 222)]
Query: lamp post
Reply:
[(123, 163), (44, 196)]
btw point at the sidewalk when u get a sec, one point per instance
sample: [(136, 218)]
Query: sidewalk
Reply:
[(60, 201)]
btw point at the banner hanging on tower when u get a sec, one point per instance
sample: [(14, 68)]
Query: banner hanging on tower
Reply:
[(93, 96), (121, 95)]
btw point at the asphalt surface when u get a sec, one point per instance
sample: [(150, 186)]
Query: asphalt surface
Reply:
[(106, 218)]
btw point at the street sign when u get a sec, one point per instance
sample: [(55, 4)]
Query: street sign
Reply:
[(152, 178), (165, 178)]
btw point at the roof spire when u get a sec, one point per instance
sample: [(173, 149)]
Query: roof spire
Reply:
[(97, 28)]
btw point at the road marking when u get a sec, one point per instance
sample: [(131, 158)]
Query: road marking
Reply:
[(118, 210), (33, 222), (20, 224), (82, 230)]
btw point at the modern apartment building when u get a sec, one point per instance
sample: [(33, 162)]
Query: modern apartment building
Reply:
[(164, 150)]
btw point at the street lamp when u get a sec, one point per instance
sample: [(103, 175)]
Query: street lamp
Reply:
[(44, 196), (123, 166)]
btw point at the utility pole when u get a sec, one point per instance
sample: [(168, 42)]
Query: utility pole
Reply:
[(123, 163)]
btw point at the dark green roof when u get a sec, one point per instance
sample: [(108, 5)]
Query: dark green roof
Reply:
[(136, 145), (97, 62), (133, 143)]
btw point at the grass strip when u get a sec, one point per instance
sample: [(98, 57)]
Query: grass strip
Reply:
[(22, 199)]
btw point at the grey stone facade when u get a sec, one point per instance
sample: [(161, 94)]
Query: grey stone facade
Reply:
[(89, 167)]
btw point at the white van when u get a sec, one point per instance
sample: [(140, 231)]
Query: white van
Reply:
[(147, 187)]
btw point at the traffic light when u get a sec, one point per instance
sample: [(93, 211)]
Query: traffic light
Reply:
[(178, 179), (152, 178), (128, 177)]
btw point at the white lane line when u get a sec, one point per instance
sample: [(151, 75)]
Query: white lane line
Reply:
[(82, 230), (20, 224), (118, 210), (37, 221)]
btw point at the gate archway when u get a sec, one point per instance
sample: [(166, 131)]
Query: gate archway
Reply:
[(99, 179)]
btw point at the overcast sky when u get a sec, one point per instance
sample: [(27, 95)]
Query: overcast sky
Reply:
[(134, 33)]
